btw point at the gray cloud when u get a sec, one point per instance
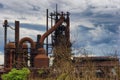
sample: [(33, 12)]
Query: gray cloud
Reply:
[(94, 23)]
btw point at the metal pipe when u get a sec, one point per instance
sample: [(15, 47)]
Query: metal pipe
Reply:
[(56, 9), (46, 31), (51, 30), (16, 41), (5, 32), (38, 39), (67, 32), (16, 34), (51, 27), (11, 59), (5, 41)]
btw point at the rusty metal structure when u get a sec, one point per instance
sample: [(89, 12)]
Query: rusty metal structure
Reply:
[(101, 66), (17, 54)]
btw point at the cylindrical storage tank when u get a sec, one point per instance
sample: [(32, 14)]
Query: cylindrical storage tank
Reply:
[(10, 48), (10, 45), (41, 60)]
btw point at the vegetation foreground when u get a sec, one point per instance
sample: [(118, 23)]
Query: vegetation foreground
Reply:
[(63, 68)]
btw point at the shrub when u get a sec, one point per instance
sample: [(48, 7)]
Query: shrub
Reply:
[(15, 74)]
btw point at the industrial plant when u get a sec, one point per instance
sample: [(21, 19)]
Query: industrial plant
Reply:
[(18, 54)]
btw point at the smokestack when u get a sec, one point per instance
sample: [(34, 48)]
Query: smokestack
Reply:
[(16, 33)]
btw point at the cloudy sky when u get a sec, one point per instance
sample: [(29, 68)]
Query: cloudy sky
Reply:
[(95, 24)]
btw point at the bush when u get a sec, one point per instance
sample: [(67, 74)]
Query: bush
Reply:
[(15, 74)]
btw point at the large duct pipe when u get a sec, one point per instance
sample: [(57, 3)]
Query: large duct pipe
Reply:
[(51, 30)]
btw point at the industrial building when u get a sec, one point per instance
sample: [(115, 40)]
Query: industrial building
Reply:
[(18, 54)]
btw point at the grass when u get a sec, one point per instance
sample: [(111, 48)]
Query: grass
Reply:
[(64, 69)]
